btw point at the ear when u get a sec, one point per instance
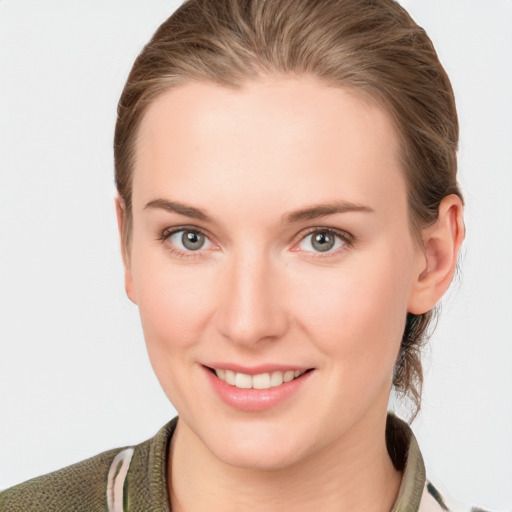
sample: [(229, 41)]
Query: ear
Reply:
[(121, 220), (438, 261)]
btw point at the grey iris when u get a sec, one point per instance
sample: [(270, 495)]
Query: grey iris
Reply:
[(192, 240), (322, 241)]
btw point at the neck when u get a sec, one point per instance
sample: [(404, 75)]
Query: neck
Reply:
[(355, 473)]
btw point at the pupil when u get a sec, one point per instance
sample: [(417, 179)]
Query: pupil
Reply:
[(192, 240), (323, 242)]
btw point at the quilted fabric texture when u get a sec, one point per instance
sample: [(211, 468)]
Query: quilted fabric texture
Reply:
[(82, 487), (63, 490)]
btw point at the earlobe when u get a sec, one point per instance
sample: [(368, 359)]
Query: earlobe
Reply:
[(121, 219), (441, 244)]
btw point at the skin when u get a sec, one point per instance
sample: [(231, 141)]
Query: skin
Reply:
[(258, 292)]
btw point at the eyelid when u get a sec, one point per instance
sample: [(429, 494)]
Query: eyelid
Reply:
[(166, 234), (347, 238)]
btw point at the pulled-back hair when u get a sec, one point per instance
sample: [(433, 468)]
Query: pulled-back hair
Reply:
[(372, 47)]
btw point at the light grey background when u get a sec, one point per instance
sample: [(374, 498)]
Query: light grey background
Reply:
[(74, 375)]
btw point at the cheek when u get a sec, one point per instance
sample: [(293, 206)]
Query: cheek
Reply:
[(174, 303), (356, 313), (174, 311)]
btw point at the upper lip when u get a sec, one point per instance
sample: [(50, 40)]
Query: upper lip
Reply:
[(255, 370)]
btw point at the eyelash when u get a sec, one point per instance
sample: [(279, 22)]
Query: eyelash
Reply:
[(168, 232), (346, 238)]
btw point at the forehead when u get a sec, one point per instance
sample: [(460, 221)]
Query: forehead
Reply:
[(288, 138)]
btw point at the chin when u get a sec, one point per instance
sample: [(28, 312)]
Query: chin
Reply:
[(261, 446), (258, 458)]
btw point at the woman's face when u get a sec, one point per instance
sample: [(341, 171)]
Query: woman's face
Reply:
[(271, 238)]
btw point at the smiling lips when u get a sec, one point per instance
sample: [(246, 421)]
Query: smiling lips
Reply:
[(258, 381), (253, 392)]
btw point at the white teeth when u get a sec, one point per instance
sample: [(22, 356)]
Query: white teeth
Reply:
[(276, 379), (288, 376), (230, 377), (243, 381), (259, 381)]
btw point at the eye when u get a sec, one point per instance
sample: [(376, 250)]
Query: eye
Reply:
[(188, 240), (322, 240)]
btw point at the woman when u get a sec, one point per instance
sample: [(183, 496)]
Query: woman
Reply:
[(289, 216)]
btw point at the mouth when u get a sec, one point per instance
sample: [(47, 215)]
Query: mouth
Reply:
[(254, 390), (264, 380)]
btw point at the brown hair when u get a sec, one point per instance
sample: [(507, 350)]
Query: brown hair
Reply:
[(371, 46)]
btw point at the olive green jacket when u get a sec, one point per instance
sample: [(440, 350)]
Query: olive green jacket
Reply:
[(133, 479)]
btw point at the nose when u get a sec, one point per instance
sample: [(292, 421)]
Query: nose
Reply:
[(251, 306)]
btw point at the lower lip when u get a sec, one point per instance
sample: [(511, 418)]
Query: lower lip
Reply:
[(256, 399)]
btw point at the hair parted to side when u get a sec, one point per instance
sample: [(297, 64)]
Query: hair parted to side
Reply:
[(372, 47)]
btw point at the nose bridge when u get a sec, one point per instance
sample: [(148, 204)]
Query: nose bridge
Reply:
[(251, 308)]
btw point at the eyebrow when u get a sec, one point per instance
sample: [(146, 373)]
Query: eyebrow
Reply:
[(309, 213), (322, 210), (180, 208)]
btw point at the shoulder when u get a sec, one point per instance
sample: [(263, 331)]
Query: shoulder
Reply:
[(96, 484), (81, 486)]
